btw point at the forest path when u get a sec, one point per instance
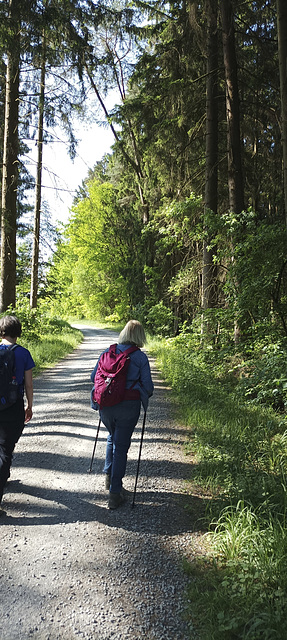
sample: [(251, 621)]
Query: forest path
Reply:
[(70, 567)]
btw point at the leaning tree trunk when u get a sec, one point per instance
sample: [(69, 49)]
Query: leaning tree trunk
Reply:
[(37, 215), (209, 270), (10, 165), (282, 52)]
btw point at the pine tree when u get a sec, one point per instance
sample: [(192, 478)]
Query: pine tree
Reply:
[(282, 50), (209, 269), (40, 141)]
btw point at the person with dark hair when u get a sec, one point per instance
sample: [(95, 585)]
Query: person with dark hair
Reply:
[(14, 417), (121, 419)]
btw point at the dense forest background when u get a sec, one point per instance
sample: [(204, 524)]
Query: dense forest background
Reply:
[(191, 201), (184, 223)]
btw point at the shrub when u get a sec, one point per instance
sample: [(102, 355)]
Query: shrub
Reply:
[(160, 320)]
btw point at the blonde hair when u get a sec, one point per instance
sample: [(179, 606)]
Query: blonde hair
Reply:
[(133, 332)]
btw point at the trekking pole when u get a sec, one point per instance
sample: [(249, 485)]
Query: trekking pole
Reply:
[(137, 473), (94, 449)]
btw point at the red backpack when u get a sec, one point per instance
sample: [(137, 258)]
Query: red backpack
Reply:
[(111, 375)]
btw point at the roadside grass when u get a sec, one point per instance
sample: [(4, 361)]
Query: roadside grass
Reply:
[(238, 588), (51, 348), (48, 338)]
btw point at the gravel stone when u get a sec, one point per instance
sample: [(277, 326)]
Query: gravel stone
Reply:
[(70, 567)]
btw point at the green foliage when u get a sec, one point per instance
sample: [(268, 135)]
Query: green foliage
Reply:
[(251, 258), (173, 278), (97, 269), (263, 379), (167, 119), (37, 322), (241, 593), (160, 320), (234, 441)]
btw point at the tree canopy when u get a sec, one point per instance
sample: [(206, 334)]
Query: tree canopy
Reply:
[(186, 216)]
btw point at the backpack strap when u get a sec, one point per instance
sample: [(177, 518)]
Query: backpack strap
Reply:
[(112, 348), (132, 349), (11, 348)]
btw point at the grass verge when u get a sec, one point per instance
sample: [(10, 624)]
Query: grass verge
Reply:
[(51, 348), (51, 339), (238, 589)]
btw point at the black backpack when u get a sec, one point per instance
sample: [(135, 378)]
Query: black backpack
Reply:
[(9, 388)]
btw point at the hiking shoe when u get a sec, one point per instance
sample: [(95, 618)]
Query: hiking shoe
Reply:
[(107, 481), (115, 500)]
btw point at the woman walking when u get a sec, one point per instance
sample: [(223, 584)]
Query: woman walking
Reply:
[(14, 417), (121, 419)]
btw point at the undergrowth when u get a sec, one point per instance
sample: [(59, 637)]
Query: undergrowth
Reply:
[(238, 433)]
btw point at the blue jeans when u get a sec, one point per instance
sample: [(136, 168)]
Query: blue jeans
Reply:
[(120, 422)]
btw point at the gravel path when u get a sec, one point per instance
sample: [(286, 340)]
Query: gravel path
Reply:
[(70, 567)]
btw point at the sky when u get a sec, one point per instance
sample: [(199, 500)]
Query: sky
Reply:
[(62, 176)]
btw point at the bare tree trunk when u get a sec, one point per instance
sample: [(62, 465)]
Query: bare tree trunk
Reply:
[(10, 165), (235, 176), (209, 270), (282, 52), (37, 215)]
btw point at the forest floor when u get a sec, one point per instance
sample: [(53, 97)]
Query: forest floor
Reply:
[(70, 567)]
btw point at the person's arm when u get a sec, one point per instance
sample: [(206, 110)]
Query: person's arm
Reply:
[(94, 373), (145, 378), (28, 383)]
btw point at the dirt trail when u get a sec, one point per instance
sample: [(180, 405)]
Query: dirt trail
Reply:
[(70, 567)]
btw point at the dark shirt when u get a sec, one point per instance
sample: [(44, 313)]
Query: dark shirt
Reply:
[(23, 362)]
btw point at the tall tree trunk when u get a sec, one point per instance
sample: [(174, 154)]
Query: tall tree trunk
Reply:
[(235, 176), (2, 112), (282, 52), (209, 270), (37, 215), (10, 164)]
